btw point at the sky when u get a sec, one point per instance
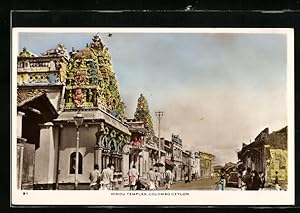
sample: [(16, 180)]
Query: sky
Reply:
[(216, 90)]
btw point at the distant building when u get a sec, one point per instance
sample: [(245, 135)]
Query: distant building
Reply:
[(230, 167), (169, 161), (186, 164), (206, 162), (177, 157), (267, 153), (217, 169), (196, 164)]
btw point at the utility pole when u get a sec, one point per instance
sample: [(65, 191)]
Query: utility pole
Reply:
[(159, 115)]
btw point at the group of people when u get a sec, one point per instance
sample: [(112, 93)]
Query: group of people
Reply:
[(155, 179), (251, 180), (104, 180), (153, 182), (247, 180)]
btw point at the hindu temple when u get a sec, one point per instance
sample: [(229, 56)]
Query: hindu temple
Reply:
[(77, 82)]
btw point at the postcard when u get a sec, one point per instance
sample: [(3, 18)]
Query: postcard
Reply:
[(152, 116)]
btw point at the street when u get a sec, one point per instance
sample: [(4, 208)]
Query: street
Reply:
[(200, 184)]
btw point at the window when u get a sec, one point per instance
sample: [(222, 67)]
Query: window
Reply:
[(73, 163)]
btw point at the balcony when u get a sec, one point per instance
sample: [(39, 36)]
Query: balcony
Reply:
[(40, 71), (39, 78), (137, 144)]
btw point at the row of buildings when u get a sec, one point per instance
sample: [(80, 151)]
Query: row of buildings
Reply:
[(268, 153), (70, 116)]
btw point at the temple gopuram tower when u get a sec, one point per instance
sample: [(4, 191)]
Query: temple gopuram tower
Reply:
[(52, 89), (92, 89)]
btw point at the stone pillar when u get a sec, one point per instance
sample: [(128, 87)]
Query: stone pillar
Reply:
[(143, 168), (98, 157), (20, 151), (45, 156), (105, 153), (19, 124), (125, 162)]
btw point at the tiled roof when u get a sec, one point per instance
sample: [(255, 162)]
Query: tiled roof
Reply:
[(25, 96)]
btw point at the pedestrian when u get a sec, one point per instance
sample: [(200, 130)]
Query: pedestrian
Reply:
[(140, 185), (157, 179), (186, 178), (168, 175), (222, 182), (262, 180), (95, 178), (242, 176), (211, 175), (133, 177), (277, 186), (193, 173), (151, 178), (255, 181), (172, 177), (107, 178), (247, 179), (113, 183)]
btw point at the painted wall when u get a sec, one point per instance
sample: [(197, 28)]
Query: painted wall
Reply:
[(178, 171), (54, 96), (197, 167), (278, 162), (86, 149)]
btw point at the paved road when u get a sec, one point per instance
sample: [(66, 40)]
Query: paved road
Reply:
[(203, 184), (200, 184)]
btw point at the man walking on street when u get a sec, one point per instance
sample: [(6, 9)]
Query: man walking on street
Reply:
[(247, 179), (157, 179), (94, 178), (107, 177), (151, 178), (168, 175), (133, 177)]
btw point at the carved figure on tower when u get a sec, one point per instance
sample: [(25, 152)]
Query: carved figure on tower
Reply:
[(91, 67), (79, 97)]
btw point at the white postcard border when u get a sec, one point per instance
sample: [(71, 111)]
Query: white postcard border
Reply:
[(190, 197)]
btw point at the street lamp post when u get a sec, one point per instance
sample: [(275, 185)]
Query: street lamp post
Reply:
[(78, 119), (159, 115)]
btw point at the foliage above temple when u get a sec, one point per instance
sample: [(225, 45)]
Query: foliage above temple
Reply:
[(91, 81), (142, 113)]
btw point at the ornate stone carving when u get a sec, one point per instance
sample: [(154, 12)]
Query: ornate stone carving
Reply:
[(26, 53), (79, 97), (91, 67), (59, 50), (110, 139)]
